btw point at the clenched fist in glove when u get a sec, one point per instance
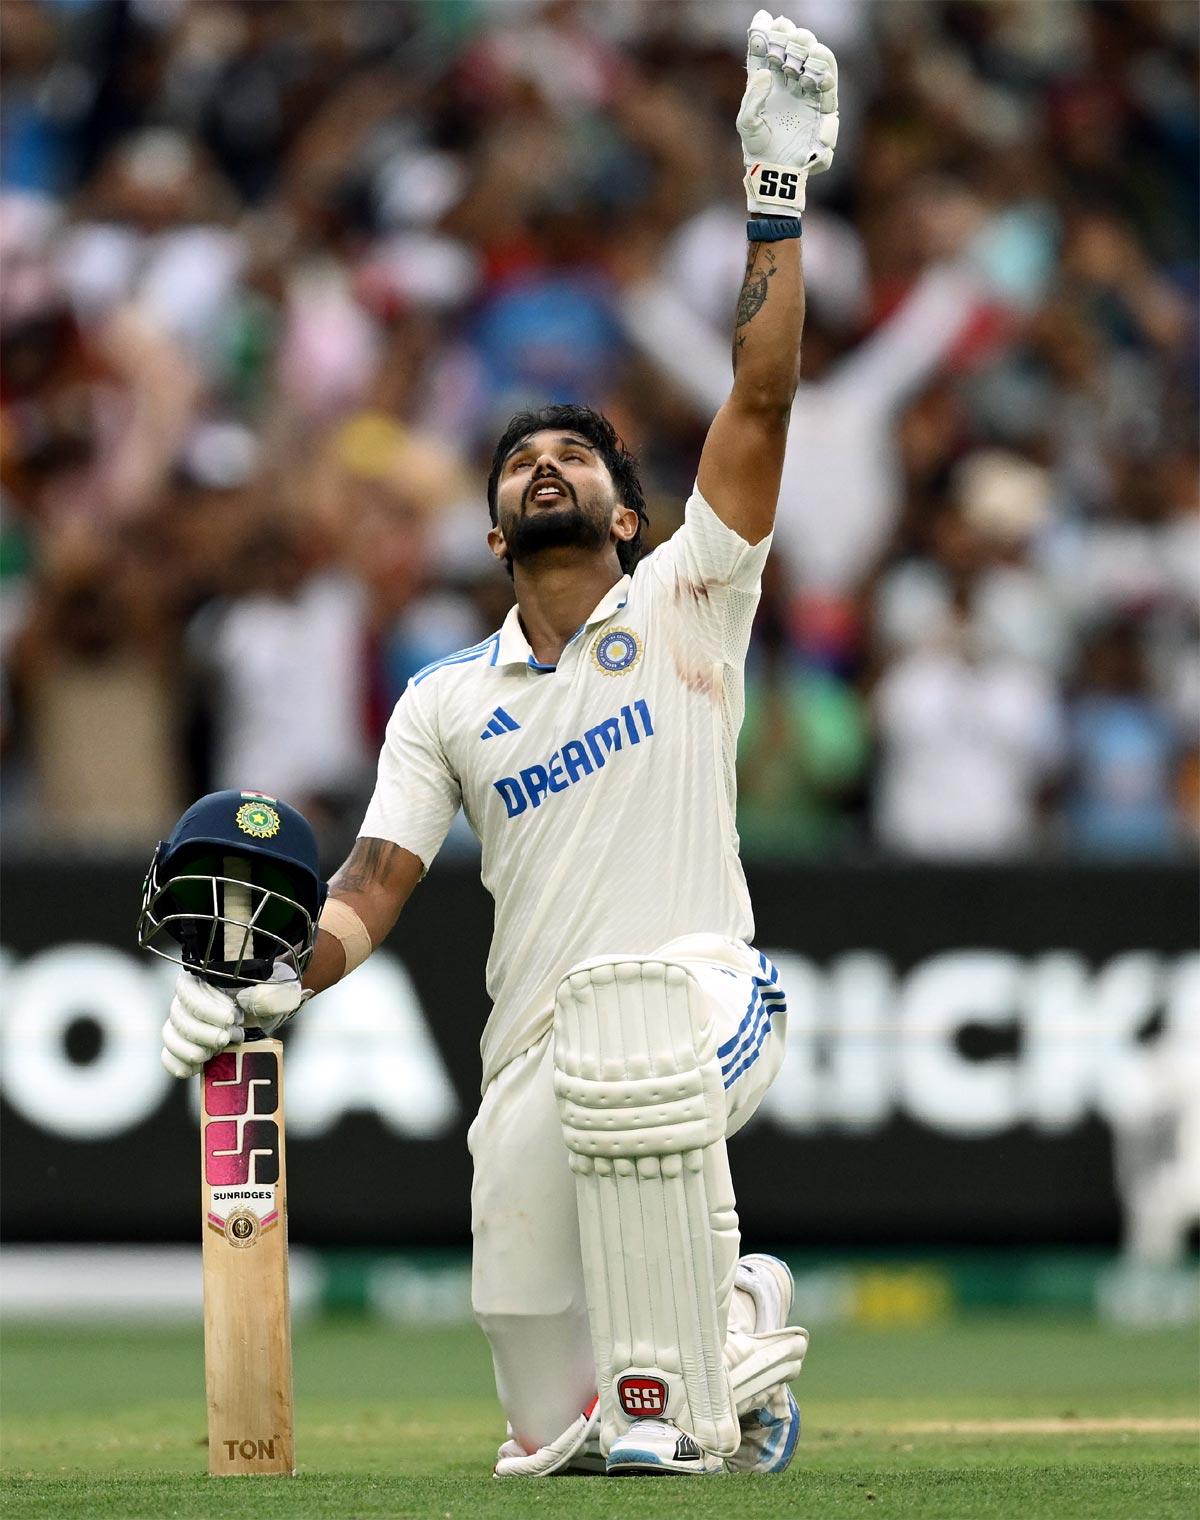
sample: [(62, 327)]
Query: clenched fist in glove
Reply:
[(204, 1020), (788, 121)]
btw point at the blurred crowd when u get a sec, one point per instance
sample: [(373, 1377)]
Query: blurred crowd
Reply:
[(276, 272)]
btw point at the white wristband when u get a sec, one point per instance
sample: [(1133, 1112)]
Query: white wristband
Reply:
[(339, 919)]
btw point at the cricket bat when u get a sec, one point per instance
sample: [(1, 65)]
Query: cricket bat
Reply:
[(247, 1328)]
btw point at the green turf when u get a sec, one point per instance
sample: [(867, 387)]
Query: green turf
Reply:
[(392, 1422)]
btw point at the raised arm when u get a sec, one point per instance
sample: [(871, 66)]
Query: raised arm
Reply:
[(742, 460), (788, 126)]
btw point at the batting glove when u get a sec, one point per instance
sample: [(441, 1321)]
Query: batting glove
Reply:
[(788, 121), (269, 1004), (204, 1020)]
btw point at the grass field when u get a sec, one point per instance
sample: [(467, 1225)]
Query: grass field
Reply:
[(982, 1417)]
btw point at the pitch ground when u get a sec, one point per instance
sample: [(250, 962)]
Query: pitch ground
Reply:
[(980, 1419)]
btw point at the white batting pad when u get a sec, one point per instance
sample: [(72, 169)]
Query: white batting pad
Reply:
[(642, 1106)]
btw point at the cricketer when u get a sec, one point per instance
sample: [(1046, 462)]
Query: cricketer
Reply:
[(590, 742)]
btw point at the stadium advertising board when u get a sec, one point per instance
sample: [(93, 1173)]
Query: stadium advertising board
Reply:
[(975, 1056)]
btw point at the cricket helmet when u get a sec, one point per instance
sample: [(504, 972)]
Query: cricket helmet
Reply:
[(233, 888)]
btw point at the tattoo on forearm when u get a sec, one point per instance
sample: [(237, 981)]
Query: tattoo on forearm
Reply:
[(760, 267), (368, 864)]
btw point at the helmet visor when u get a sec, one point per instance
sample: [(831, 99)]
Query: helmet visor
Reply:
[(226, 919)]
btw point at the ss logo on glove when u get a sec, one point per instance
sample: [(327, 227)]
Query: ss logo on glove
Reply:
[(775, 182)]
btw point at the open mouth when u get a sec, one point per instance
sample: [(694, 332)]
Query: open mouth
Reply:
[(546, 492)]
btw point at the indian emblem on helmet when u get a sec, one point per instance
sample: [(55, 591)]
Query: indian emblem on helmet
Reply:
[(258, 820), (234, 889)]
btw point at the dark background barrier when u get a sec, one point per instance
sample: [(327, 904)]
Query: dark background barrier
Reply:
[(965, 1044)]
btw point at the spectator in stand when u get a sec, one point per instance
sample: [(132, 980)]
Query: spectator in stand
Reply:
[(968, 717), (279, 663), (96, 686), (250, 250), (1123, 754), (804, 743), (384, 495)]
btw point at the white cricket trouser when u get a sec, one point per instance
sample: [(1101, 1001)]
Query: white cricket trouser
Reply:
[(527, 1275)]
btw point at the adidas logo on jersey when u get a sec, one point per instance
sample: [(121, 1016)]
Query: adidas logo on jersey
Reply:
[(500, 723)]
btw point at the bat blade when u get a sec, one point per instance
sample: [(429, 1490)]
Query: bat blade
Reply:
[(247, 1327)]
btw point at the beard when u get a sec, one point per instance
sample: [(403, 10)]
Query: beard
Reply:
[(566, 526)]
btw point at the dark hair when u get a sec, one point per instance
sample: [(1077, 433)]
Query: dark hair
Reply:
[(600, 433)]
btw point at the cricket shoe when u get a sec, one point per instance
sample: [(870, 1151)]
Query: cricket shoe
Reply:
[(769, 1433), (659, 1449), (770, 1284)]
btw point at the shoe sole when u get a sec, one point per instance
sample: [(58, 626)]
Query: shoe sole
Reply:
[(637, 1465)]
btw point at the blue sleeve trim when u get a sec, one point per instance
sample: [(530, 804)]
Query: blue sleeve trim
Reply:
[(461, 657), (454, 659)]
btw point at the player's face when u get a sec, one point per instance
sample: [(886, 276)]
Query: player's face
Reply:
[(555, 491)]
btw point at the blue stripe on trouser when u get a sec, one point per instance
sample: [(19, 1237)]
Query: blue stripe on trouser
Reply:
[(724, 1050), (754, 1037), (751, 1058), (768, 988), (772, 1000), (740, 1044), (741, 1051)]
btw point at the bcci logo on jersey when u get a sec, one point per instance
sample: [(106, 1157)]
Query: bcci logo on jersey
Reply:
[(616, 650)]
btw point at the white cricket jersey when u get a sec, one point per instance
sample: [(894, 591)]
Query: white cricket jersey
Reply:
[(602, 789)]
